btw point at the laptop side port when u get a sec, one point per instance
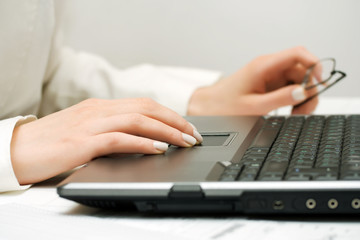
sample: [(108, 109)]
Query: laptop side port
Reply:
[(310, 203), (355, 203), (278, 205), (333, 203)]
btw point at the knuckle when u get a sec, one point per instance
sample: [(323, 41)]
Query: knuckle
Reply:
[(174, 136), (112, 140), (184, 125), (147, 103), (136, 119), (257, 66), (106, 146), (300, 49), (143, 146)]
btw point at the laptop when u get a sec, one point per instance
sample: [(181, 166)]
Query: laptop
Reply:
[(246, 165)]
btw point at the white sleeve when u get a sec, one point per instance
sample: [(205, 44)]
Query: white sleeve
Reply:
[(78, 76), (8, 181)]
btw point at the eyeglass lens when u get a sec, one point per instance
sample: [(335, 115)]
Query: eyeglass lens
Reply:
[(320, 74)]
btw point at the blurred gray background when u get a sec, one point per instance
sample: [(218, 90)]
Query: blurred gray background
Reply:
[(214, 34)]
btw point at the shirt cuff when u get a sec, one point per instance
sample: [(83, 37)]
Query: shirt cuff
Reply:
[(8, 180)]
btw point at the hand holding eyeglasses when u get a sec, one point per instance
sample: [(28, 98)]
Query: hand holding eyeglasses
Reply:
[(322, 75), (265, 84)]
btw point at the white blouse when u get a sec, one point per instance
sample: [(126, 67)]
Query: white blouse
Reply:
[(39, 76)]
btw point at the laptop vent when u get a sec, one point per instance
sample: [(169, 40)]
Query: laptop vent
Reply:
[(99, 203)]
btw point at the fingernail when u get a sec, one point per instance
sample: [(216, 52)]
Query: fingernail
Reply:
[(161, 146), (192, 125), (196, 134), (298, 94), (189, 139)]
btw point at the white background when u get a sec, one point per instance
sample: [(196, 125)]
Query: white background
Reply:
[(217, 34)]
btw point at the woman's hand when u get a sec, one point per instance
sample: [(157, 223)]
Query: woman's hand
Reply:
[(265, 84), (92, 128)]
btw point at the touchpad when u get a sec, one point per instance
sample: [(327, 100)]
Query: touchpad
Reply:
[(216, 139)]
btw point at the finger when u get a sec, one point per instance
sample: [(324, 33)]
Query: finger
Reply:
[(290, 57), (317, 72), (309, 105), (115, 142), (141, 125), (289, 95), (306, 108), (295, 74), (161, 113)]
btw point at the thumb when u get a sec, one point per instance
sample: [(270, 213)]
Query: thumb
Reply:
[(289, 95)]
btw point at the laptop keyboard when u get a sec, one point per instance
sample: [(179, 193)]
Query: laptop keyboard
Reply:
[(301, 148)]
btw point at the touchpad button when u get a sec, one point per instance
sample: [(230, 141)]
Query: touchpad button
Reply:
[(216, 139)]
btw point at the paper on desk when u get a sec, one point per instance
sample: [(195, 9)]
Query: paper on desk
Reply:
[(20, 221), (237, 228), (24, 222), (229, 229)]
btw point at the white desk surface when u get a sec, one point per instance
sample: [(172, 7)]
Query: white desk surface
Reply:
[(39, 213)]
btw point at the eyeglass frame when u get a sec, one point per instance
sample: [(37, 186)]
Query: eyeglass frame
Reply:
[(307, 77)]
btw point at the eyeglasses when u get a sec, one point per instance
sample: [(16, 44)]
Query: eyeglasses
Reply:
[(322, 75)]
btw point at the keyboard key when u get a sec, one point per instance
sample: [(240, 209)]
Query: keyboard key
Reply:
[(247, 177), (236, 166), (313, 172), (298, 177), (227, 178), (274, 167), (270, 177), (326, 177), (350, 168), (265, 138), (350, 176), (252, 168), (231, 172)]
